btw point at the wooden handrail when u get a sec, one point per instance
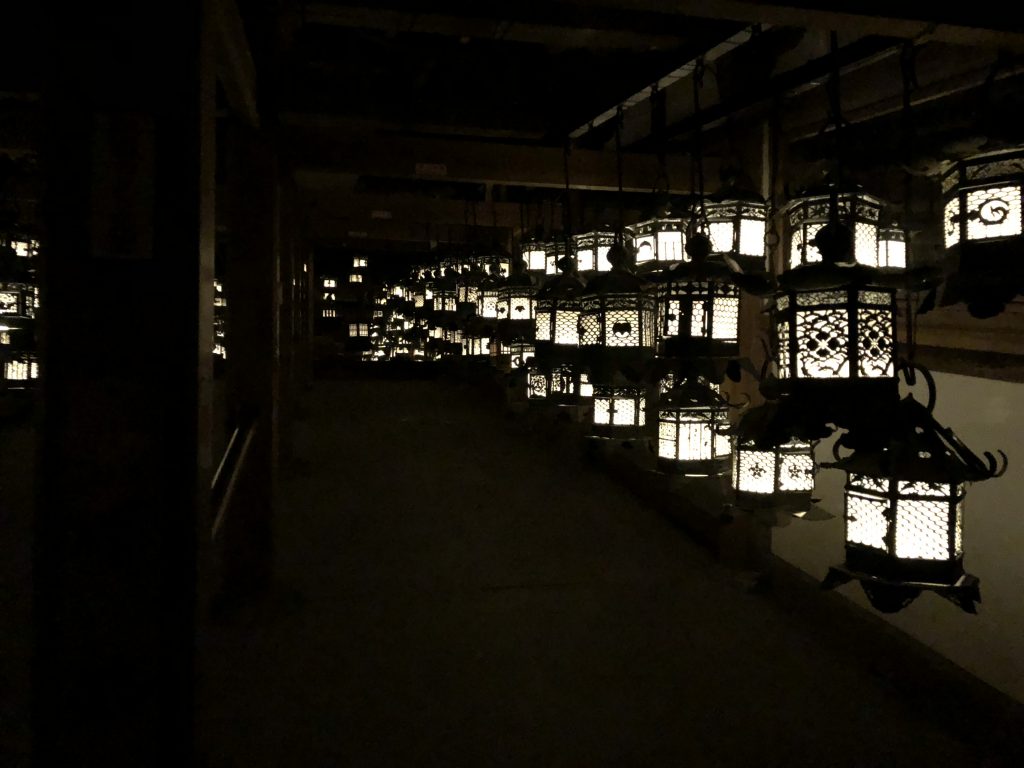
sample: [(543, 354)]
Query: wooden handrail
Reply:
[(226, 477)]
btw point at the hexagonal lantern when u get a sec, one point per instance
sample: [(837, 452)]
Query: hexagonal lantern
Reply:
[(807, 214), (558, 309), (517, 301), (904, 500), (984, 229), (773, 466), (468, 288), (692, 419), (592, 250), (698, 310), (535, 255), (617, 310), (659, 241), (892, 248), (737, 223), (619, 411), (558, 384), (489, 297), (445, 292)]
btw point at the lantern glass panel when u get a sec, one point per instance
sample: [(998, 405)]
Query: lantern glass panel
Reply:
[(535, 258), (538, 385), (796, 470), (566, 327), (892, 249), (585, 261), (721, 233), (752, 234), (586, 388), (542, 325), (922, 528), (692, 435), (488, 303), (823, 342), (644, 247), (521, 306), (754, 470)]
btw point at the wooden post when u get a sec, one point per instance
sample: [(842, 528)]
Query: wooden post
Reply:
[(127, 323)]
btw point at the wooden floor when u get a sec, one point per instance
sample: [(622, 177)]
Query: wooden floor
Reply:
[(453, 591)]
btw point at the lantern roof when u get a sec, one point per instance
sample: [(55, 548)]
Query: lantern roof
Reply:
[(621, 279), (776, 422), (692, 392), (520, 277), (912, 445), (565, 285), (713, 268)]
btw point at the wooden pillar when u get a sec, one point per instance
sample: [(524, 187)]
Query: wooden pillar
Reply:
[(127, 311), (253, 288)]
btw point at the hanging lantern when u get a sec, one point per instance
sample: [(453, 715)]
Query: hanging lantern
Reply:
[(892, 248), (490, 295), (558, 385), (737, 223), (617, 310), (619, 411), (773, 467), (692, 419), (907, 480), (445, 293), (806, 215), (698, 310), (468, 289), (535, 255), (517, 297), (592, 250), (659, 241), (985, 229), (558, 308)]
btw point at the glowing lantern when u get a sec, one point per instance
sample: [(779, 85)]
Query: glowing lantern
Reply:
[(773, 459), (985, 229), (892, 248), (617, 309), (592, 251), (659, 241), (736, 223), (619, 411), (904, 502), (517, 301), (558, 308), (806, 216), (698, 310), (692, 418), (445, 294), (559, 385), (490, 295), (535, 256), (468, 288)]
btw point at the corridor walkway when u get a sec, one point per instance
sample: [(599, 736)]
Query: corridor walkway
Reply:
[(451, 591)]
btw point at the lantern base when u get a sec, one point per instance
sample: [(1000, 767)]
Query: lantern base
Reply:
[(870, 560), (701, 468), (891, 596), (787, 502)]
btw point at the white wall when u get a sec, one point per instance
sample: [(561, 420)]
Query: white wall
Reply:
[(986, 415)]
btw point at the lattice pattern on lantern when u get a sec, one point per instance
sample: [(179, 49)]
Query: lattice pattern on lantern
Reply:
[(619, 406), (592, 251), (10, 302), (866, 521), (823, 339), (470, 294), (542, 324), (796, 470), (617, 321), (567, 327), (874, 337), (807, 215), (660, 239), (475, 345), (563, 381), (993, 212), (737, 227), (753, 471), (692, 434), (537, 385)]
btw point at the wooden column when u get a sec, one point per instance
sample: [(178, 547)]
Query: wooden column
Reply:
[(253, 289), (127, 303)]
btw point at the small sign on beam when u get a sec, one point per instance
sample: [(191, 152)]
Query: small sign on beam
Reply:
[(381, 215)]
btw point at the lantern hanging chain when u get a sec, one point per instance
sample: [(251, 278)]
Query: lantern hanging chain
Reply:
[(835, 119), (909, 77), (567, 210), (698, 148), (772, 235), (618, 170)]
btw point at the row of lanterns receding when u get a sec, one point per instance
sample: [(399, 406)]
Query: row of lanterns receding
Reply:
[(640, 329), (19, 306)]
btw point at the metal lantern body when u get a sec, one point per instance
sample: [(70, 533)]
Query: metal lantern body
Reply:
[(773, 465), (835, 326), (984, 229), (468, 289), (617, 312), (903, 508), (17, 299), (737, 224), (659, 241), (619, 411), (692, 419), (20, 369), (559, 385), (806, 215), (489, 297), (535, 256), (445, 295), (592, 250), (517, 302), (698, 310), (557, 312)]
